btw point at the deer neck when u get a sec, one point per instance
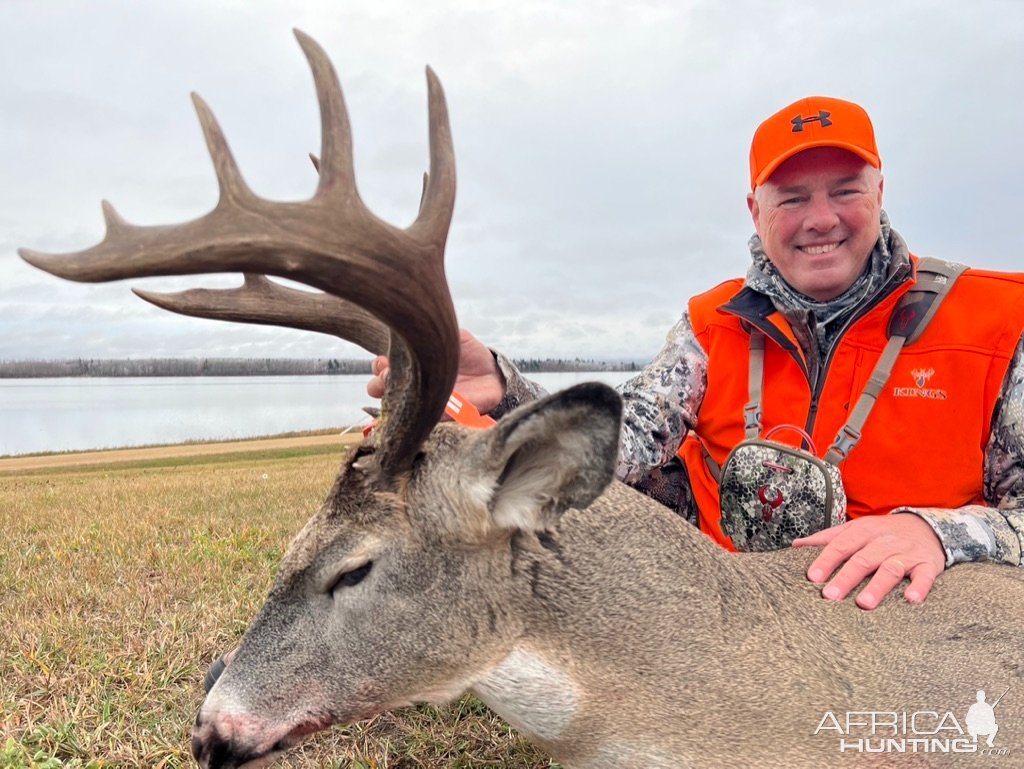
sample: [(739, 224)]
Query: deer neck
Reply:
[(674, 595)]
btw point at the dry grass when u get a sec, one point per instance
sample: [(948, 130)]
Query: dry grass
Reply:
[(119, 585)]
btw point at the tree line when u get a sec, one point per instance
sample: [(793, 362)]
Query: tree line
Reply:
[(175, 367), (544, 365), (168, 367)]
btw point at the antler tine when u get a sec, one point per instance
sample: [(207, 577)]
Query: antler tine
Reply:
[(330, 242), (437, 201), (335, 166), (261, 301), (233, 189)]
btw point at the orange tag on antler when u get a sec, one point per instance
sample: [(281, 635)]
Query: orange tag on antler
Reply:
[(465, 413)]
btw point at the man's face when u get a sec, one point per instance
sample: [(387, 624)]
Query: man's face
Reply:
[(818, 219)]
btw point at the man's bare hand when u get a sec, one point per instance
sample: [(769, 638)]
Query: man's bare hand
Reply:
[(890, 547), (479, 381)]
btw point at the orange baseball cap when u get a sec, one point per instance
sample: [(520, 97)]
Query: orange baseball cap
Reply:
[(817, 121)]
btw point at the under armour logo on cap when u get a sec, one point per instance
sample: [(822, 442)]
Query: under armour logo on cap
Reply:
[(822, 117)]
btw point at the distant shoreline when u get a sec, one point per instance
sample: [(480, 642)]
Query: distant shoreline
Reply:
[(27, 462), (228, 367)]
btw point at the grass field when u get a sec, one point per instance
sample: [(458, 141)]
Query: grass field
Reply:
[(119, 584)]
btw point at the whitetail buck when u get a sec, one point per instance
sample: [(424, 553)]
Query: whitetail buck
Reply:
[(507, 563)]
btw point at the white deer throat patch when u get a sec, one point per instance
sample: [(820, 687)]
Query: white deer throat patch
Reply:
[(532, 694)]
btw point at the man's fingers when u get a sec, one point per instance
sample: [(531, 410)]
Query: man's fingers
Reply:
[(854, 570), (922, 577), (375, 388), (837, 549), (888, 575), (380, 369), (818, 538)]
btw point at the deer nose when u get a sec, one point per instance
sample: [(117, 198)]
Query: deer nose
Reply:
[(211, 750)]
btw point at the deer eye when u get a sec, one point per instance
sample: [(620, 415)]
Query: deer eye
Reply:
[(352, 577)]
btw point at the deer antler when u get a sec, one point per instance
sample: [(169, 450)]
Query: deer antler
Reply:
[(331, 242), (259, 300)]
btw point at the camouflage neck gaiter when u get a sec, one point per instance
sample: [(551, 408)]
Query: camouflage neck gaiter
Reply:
[(817, 324)]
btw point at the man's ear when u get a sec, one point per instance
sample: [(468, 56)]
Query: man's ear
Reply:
[(551, 455), (754, 208)]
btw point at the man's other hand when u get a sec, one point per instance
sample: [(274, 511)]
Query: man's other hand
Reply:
[(890, 547), (479, 381)]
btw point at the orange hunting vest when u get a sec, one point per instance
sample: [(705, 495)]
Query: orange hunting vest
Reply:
[(924, 442)]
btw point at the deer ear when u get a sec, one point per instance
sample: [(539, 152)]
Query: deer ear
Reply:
[(552, 455)]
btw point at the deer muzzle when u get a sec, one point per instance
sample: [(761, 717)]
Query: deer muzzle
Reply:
[(227, 739), (222, 741)]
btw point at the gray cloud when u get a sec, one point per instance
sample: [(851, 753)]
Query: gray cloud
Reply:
[(601, 148)]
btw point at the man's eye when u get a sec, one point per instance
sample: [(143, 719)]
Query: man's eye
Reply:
[(352, 577)]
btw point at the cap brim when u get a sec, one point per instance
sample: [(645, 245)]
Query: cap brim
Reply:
[(768, 170)]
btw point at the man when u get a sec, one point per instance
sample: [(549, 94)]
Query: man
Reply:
[(945, 457)]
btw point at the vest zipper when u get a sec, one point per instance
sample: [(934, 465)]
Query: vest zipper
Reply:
[(883, 292), (817, 386)]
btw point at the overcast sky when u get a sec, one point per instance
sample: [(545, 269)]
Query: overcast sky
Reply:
[(601, 146)]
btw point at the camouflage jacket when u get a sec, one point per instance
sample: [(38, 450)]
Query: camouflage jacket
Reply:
[(662, 403)]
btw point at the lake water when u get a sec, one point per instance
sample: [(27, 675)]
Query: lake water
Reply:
[(77, 414)]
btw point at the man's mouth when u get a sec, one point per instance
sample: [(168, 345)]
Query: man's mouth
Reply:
[(822, 248)]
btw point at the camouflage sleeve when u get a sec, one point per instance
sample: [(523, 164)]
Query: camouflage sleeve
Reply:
[(995, 532), (661, 403), (518, 389)]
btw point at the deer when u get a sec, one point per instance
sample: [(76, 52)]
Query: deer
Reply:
[(509, 563)]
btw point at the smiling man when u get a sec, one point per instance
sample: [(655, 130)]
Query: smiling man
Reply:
[(937, 475)]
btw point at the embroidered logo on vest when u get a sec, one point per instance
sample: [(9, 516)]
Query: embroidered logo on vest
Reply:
[(921, 377)]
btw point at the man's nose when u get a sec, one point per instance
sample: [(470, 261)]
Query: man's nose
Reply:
[(821, 215)]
